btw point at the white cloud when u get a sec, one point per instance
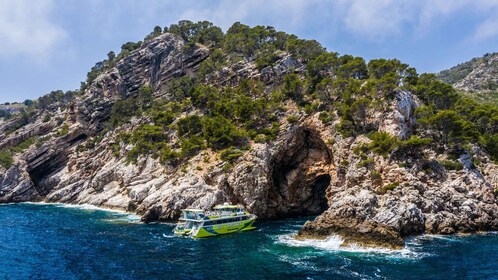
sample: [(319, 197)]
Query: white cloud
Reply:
[(487, 30), (290, 13), (26, 28), (374, 20), (378, 20)]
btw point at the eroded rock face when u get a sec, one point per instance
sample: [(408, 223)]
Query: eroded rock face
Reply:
[(16, 186), (289, 178), (400, 120), (483, 78), (310, 169), (363, 211)]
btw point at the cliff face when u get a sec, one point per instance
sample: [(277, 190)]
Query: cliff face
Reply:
[(484, 77), (478, 75), (308, 169)]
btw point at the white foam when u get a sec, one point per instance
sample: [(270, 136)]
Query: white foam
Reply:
[(301, 262), (121, 215), (123, 218), (40, 203), (331, 243), (336, 243), (447, 238), (8, 203), (308, 263), (91, 208)]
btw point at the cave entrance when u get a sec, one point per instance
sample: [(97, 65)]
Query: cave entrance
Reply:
[(40, 170), (317, 203), (300, 176)]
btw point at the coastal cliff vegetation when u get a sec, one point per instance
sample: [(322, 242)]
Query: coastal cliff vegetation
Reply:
[(269, 120)]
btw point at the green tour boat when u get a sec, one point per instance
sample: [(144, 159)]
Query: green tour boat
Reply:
[(223, 219)]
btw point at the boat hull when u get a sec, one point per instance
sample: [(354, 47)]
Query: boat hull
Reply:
[(214, 230)]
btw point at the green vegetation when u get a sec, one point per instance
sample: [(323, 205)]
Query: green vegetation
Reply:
[(482, 97), (451, 165), (460, 71), (292, 119), (63, 131), (224, 118), (383, 143), (231, 154), (366, 163), (199, 112), (20, 120), (7, 154), (56, 96), (5, 114), (389, 187), (28, 102), (376, 177), (21, 147), (6, 159)]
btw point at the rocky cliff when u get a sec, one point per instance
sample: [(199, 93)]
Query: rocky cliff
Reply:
[(309, 167), (479, 77)]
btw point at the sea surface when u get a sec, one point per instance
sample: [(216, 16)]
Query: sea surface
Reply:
[(53, 241)]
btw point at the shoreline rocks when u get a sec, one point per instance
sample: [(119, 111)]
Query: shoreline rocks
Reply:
[(309, 169)]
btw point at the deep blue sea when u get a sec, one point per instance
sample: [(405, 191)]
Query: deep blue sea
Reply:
[(41, 241)]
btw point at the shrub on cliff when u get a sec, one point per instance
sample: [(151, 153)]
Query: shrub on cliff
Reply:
[(293, 87), (191, 146), (231, 154), (306, 50), (389, 187), (203, 32), (221, 116), (122, 110), (5, 114), (220, 132), (6, 159), (451, 165), (491, 144), (383, 143), (147, 139), (6, 155)]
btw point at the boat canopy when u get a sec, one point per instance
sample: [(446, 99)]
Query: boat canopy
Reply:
[(229, 208), (192, 210), (192, 214), (226, 207)]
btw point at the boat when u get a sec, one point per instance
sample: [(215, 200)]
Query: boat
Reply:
[(223, 219)]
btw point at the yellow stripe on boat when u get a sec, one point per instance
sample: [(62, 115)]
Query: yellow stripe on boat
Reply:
[(223, 219)]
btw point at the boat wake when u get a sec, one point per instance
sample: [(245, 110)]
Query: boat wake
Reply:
[(125, 218)]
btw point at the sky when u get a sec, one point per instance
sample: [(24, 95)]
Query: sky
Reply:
[(47, 45)]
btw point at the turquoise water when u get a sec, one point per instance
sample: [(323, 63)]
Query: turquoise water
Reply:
[(40, 241)]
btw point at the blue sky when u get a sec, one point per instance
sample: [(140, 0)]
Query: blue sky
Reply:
[(51, 44)]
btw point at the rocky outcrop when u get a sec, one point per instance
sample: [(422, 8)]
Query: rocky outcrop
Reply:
[(16, 186), (482, 78), (383, 203), (286, 179), (309, 169)]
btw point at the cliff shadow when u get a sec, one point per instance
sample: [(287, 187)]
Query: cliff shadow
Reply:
[(300, 176)]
